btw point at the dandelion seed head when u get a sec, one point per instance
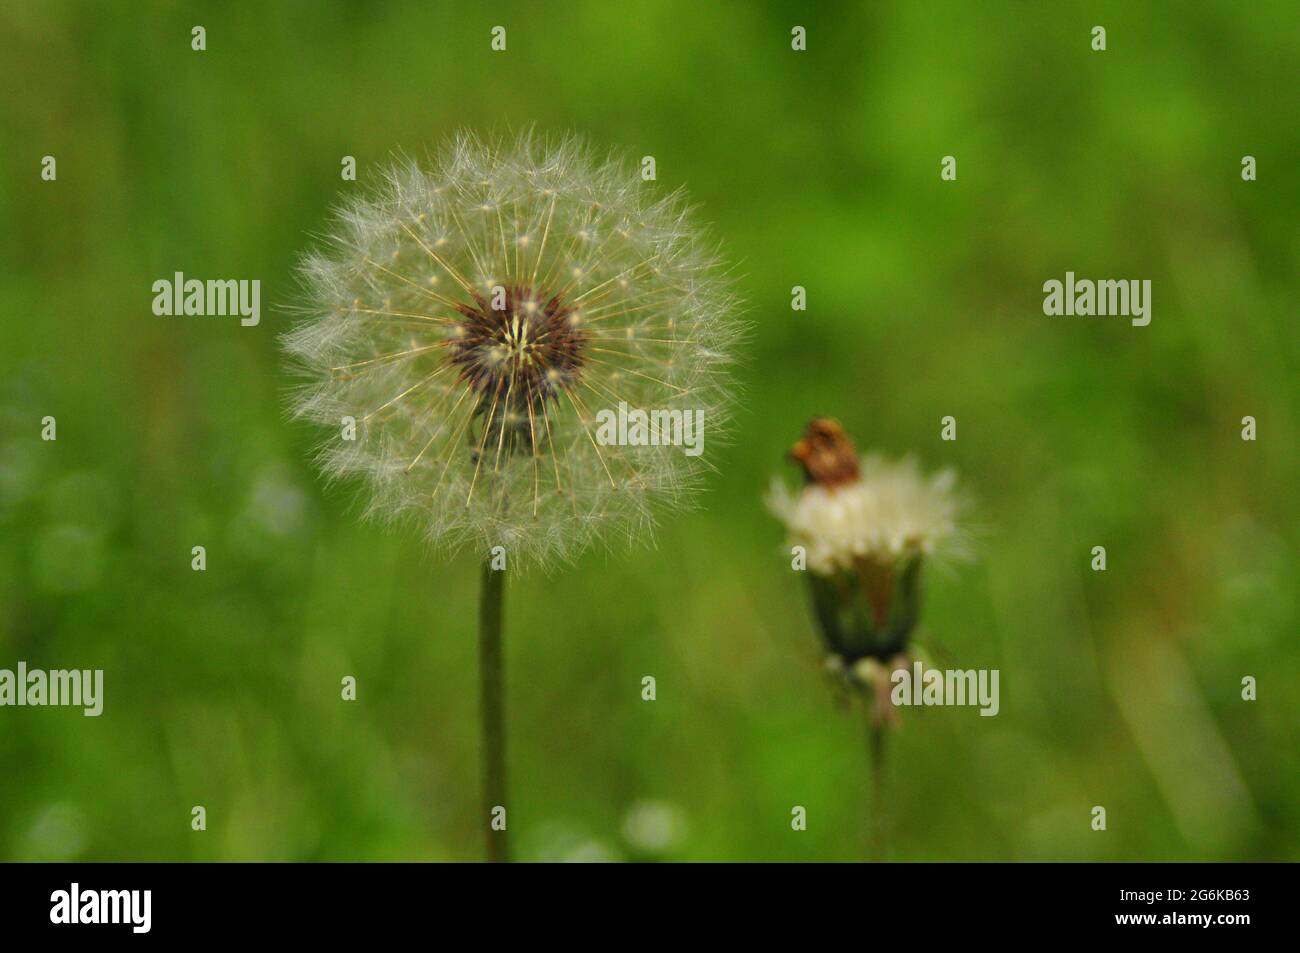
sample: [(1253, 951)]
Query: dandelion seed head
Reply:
[(474, 313)]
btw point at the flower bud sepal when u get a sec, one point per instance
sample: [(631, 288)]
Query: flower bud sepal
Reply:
[(869, 610)]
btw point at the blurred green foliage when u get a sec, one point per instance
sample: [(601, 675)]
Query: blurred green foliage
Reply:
[(819, 169)]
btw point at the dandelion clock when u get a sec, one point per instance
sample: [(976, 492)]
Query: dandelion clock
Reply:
[(467, 327)]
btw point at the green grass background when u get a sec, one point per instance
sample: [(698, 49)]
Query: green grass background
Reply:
[(820, 169)]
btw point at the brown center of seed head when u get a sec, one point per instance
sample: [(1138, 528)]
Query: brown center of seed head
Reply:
[(826, 453), (518, 356)]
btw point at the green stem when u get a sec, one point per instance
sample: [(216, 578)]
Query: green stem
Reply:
[(491, 666), (876, 846)]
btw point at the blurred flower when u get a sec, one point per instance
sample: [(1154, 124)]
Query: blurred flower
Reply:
[(592, 852), (874, 509), (654, 827), (472, 318), (58, 833), (569, 842), (867, 526)]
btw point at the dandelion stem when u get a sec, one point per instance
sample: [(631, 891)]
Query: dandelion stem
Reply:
[(492, 708), (876, 844)]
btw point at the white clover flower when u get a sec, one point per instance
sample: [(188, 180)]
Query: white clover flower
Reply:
[(473, 317), (890, 509)]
